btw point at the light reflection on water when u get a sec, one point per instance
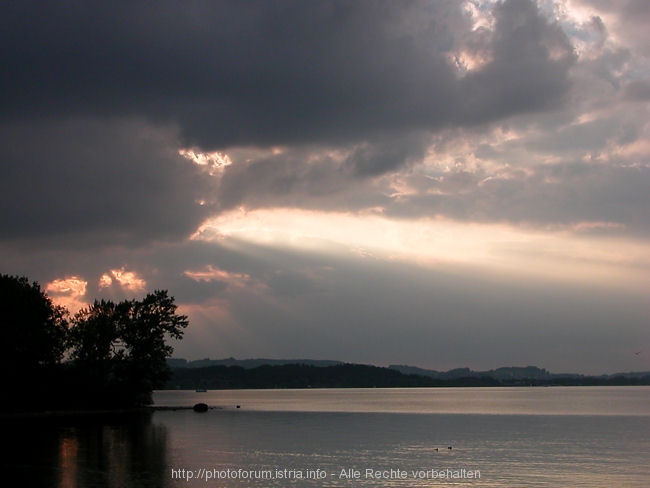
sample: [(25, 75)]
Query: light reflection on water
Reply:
[(515, 401), (89, 451), (508, 450), (521, 449)]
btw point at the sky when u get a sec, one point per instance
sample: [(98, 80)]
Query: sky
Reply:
[(434, 183)]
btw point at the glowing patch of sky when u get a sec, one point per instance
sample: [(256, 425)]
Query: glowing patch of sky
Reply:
[(569, 253), (214, 161), (68, 292), (211, 273), (129, 280)]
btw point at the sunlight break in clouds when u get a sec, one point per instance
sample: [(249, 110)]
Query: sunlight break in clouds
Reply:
[(128, 280), (214, 161), (68, 292), (562, 254), (210, 273)]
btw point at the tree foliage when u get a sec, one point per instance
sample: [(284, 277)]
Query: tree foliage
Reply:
[(34, 329), (108, 355), (34, 338), (121, 349)]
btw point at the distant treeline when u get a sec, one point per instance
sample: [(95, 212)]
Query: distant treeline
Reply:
[(246, 363), (360, 376)]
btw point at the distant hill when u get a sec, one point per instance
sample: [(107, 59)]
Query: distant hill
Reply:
[(231, 373), (505, 373), (247, 363), (522, 374), (293, 376)]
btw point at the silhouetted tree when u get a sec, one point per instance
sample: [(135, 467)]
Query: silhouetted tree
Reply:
[(95, 348), (150, 322), (34, 338), (120, 350)]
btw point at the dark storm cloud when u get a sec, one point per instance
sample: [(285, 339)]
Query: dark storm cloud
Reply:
[(275, 72), (370, 80), (97, 183), (528, 70)]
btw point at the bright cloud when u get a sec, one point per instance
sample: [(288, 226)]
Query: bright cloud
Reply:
[(234, 280), (214, 161), (210, 273), (128, 280), (560, 254), (69, 292)]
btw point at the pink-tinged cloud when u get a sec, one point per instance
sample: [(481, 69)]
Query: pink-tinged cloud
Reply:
[(68, 292), (233, 280), (128, 280)]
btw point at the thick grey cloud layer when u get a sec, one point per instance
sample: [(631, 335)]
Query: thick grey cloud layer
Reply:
[(96, 182), (371, 79), (276, 72), (528, 70)]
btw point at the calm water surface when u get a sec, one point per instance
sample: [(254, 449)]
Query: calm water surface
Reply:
[(513, 437), (514, 401)]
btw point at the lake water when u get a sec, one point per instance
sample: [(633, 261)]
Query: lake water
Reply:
[(510, 437)]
